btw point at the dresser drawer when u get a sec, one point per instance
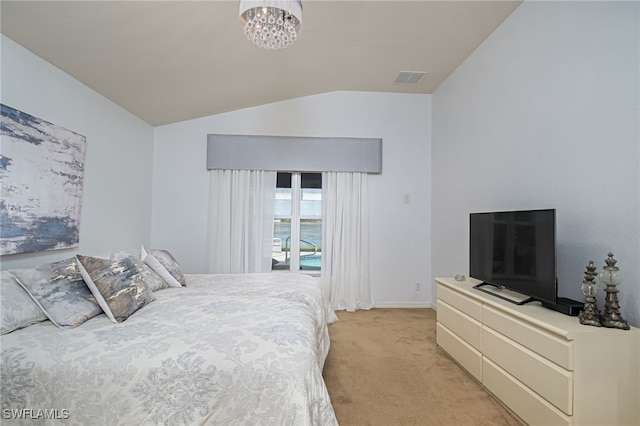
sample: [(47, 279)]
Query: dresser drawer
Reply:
[(553, 383), (467, 328), (555, 349), (471, 307), (464, 354), (529, 406)]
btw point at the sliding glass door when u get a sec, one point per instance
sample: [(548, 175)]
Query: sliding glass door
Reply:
[(297, 228)]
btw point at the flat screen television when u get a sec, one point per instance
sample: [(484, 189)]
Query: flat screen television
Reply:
[(515, 250)]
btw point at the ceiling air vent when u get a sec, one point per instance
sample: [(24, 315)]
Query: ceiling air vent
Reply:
[(410, 77)]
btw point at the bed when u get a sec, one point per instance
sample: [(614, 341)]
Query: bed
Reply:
[(220, 349)]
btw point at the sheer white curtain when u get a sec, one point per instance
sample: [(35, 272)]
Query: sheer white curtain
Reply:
[(240, 232), (345, 240)]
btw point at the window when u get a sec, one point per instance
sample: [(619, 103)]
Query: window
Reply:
[(297, 227)]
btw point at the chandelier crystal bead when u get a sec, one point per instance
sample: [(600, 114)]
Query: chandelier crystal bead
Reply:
[(271, 24)]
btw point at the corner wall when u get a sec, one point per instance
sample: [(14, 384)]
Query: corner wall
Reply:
[(545, 114), (116, 204), (399, 232)]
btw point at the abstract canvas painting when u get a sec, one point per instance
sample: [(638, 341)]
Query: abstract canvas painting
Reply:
[(41, 175)]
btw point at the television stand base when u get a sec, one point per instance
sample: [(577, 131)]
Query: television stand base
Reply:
[(504, 293), (565, 306)]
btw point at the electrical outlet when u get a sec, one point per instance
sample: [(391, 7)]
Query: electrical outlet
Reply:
[(418, 286)]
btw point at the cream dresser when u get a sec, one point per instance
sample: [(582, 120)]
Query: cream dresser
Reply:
[(544, 366)]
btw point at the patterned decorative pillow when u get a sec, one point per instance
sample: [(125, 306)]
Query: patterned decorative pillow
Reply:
[(166, 266), (121, 287), (60, 291), (156, 280), (119, 254), (17, 308)]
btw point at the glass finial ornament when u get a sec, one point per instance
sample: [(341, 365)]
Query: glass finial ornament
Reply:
[(590, 315), (271, 24), (611, 277)]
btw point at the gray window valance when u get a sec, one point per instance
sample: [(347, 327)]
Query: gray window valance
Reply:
[(291, 153)]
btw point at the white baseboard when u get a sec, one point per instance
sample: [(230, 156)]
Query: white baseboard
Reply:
[(422, 305)]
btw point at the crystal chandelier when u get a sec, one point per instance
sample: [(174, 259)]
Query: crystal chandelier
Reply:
[(272, 24)]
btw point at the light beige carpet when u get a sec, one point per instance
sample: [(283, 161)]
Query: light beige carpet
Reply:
[(384, 368)]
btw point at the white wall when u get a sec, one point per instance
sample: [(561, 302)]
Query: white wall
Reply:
[(116, 204), (399, 232), (545, 114)]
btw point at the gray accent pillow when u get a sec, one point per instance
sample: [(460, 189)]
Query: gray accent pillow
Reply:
[(119, 254), (121, 287), (155, 279), (166, 266), (17, 308), (60, 291), (159, 268)]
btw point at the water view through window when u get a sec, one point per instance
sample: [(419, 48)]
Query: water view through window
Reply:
[(297, 228)]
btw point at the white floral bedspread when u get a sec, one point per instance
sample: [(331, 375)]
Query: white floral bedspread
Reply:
[(225, 350)]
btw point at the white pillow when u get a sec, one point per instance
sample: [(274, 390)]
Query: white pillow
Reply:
[(159, 268), (17, 308)]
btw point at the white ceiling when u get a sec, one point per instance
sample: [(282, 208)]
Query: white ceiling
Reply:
[(169, 61)]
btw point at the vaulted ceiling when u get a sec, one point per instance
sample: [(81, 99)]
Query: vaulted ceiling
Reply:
[(169, 61)]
